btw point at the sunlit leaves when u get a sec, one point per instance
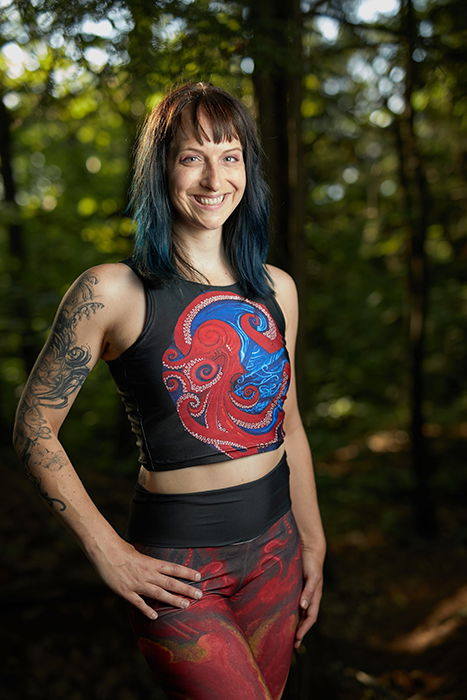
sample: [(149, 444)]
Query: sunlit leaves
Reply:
[(110, 236), (78, 78)]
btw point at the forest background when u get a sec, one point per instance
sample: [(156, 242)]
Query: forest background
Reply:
[(362, 109)]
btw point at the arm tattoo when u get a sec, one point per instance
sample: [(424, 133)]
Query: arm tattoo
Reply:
[(63, 367)]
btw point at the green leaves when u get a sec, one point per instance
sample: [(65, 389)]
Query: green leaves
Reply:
[(76, 84)]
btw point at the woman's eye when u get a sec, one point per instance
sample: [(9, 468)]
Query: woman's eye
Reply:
[(189, 159), (232, 159)]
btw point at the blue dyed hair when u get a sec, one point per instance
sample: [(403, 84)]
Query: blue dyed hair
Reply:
[(245, 233)]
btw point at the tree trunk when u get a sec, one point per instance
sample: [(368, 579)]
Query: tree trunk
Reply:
[(276, 48), (141, 54), (19, 305), (277, 51), (416, 204)]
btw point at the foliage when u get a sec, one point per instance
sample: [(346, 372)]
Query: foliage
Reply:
[(76, 80)]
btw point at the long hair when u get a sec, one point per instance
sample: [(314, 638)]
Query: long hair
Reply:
[(245, 233)]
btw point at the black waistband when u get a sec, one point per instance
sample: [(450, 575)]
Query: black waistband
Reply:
[(210, 518)]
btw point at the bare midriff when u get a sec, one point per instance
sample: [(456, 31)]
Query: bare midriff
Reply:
[(206, 477)]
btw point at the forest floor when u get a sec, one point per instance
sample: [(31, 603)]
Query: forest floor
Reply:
[(393, 622)]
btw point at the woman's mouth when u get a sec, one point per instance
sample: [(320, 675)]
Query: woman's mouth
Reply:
[(209, 201)]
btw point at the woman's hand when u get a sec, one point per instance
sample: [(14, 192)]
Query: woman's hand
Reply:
[(311, 594), (132, 575)]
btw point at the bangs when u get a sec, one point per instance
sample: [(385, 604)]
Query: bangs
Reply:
[(225, 120)]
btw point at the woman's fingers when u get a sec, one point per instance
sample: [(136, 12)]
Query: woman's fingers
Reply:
[(166, 577), (136, 577), (174, 586), (310, 597), (177, 570), (309, 607), (142, 606), (163, 595), (160, 580)]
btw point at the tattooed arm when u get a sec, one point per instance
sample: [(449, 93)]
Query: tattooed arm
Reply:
[(54, 382), (92, 318)]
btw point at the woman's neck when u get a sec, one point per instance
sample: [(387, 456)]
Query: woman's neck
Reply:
[(205, 253)]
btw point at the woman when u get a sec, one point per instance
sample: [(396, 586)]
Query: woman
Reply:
[(223, 556)]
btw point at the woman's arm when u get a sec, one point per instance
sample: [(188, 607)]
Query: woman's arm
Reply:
[(86, 319), (302, 482)]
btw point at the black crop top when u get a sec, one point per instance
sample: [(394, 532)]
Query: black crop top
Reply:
[(207, 378)]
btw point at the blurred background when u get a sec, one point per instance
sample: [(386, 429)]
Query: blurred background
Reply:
[(362, 107)]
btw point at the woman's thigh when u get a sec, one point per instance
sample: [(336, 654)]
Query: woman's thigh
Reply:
[(266, 606), (237, 641), (200, 653)]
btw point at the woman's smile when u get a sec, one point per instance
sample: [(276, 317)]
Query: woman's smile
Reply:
[(209, 201)]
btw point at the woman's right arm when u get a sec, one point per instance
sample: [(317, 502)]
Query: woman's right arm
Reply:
[(84, 321)]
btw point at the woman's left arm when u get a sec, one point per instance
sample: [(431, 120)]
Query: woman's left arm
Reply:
[(302, 481)]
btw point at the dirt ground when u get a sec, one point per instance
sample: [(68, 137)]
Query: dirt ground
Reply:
[(393, 622)]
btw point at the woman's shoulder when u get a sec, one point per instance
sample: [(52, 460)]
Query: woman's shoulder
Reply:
[(286, 293), (113, 288), (283, 283), (120, 294), (113, 280)]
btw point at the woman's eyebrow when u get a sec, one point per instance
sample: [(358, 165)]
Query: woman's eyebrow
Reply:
[(190, 147)]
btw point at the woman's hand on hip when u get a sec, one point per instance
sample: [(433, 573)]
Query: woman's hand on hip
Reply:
[(132, 575), (311, 593)]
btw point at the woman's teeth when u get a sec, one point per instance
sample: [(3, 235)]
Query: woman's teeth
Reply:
[(210, 200)]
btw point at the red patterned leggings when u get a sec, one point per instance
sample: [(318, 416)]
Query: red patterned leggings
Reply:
[(237, 641)]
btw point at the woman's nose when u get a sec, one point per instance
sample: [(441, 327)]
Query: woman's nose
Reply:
[(211, 177)]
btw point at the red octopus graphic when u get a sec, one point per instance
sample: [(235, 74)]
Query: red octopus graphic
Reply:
[(228, 372)]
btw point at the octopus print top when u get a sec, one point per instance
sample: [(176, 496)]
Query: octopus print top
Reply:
[(207, 378)]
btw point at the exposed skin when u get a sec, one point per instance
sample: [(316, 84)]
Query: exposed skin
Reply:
[(87, 313), (206, 181), (103, 314), (302, 482)]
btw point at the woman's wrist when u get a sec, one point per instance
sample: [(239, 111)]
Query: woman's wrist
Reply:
[(315, 547), (101, 541)]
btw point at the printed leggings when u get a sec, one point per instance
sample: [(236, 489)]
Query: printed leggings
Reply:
[(237, 641)]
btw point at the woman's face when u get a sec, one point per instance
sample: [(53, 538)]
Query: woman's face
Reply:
[(206, 180)]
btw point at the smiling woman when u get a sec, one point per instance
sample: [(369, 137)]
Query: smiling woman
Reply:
[(182, 115), (222, 561), (206, 179)]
